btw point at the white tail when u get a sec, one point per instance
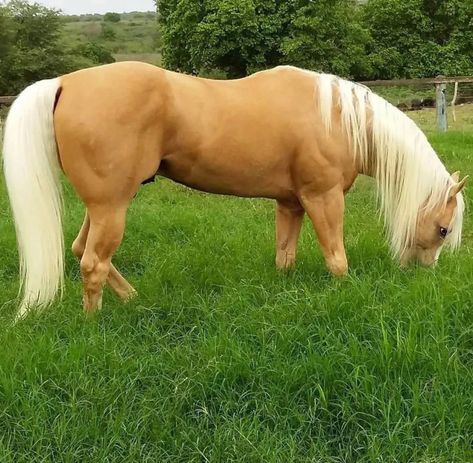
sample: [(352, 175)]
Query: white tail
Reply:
[(31, 170)]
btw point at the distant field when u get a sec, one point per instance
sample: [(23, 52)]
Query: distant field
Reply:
[(135, 37), (222, 359)]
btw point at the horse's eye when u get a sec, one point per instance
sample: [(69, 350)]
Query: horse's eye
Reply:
[(443, 232)]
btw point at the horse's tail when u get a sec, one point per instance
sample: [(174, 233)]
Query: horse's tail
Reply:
[(31, 168)]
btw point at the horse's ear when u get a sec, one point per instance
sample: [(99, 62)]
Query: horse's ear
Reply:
[(457, 187), (455, 176)]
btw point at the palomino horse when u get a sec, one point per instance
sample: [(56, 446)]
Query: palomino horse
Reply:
[(287, 134)]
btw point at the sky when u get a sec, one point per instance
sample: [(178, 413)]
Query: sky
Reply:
[(99, 6)]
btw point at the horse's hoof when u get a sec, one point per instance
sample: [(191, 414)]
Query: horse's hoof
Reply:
[(131, 295)]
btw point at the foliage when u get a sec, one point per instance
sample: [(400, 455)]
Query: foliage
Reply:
[(240, 37), (108, 32), (31, 46), (362, 40), (235, 36), (327, 35), (416, 38), (96, 53), (179, 20), (112, 17)]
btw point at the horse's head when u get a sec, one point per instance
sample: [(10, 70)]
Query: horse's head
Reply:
[(436, 227)]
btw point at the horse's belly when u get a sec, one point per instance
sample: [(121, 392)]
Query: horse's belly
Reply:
[(237, 178)]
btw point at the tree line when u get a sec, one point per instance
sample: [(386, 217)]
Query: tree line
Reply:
[(32, 47), (363, 40), (359, 39)]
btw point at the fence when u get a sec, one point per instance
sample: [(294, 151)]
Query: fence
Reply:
[(439, 84), (439, 101), (7, 100)]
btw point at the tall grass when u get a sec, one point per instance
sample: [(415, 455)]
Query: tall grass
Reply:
[(222, 359)]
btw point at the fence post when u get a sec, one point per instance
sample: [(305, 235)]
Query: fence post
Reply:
[(441, 106)]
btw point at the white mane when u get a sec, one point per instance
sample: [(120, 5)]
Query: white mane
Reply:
[(408, 172)]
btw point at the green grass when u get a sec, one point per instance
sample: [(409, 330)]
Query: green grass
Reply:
[(222, 359)]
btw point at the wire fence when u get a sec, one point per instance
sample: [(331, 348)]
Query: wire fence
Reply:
[(414, 95)]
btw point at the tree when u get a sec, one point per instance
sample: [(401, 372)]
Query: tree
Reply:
[(31, 50), (236, 36), (353, 38), (94, 52), (417, 38), (327, 35), (31, 47), (179, 20), (6, 35), (108, 32), (242, 36), (112, 17)]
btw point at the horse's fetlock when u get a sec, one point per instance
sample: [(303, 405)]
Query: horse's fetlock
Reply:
[(338, 265)]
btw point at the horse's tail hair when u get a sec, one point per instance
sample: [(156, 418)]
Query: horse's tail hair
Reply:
[(31, 167)]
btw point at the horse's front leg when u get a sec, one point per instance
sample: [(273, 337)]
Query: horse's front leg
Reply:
[(288, 226), (326, 213)]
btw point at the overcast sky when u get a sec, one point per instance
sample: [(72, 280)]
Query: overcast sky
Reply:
[(99, 6)]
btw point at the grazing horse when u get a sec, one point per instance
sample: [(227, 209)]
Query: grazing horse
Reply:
[(298, 137)]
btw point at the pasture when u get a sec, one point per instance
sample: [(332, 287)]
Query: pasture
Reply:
[(135, 37), (223, 359)]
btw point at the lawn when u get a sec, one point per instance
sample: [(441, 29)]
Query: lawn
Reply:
[(222, 359)]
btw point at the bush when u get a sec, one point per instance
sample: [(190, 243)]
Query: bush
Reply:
[(31, 47), (416, 38), (362, 40), (94, 52), (112, 17), (108, 33)]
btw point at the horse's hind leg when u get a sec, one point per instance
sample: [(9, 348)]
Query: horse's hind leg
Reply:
[(116, 281), (78, 246), (107, 224), (288, 226), (326, 213)]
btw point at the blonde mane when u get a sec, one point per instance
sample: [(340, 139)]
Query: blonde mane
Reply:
[(409, 175)]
